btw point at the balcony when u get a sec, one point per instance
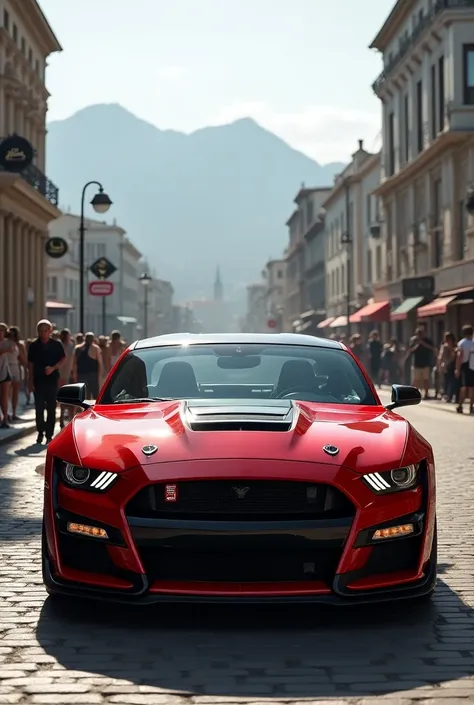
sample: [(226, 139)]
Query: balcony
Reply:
[(40, 182), (408, 44)]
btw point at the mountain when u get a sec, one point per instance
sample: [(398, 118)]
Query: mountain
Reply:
[(218, 196)]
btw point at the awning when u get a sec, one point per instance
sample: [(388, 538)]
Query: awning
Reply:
[(339, 322), (466, 293), (326, 323), (58, 306), (308, 314), (438, 307), (402, 311), (127, 320), (376, 313)]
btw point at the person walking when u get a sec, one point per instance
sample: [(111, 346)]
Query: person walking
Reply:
[(465, 368), (446, 364), (16, 363), (46, 356), (422, 350), (375, 357), (116, 348), (6, 347), (87, 365), (65, 373)]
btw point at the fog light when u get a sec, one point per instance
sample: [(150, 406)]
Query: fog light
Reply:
[(393, 532), (85, 530)]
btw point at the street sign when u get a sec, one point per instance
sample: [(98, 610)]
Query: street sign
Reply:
[(56, 247), (16, 153), (103, 268), (101, 288), (271, 323)]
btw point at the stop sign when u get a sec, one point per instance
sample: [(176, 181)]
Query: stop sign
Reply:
[(271, 323)]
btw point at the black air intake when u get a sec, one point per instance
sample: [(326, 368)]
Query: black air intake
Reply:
[(249, 415)]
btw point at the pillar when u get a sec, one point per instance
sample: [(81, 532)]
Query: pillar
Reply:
[(2, 267)]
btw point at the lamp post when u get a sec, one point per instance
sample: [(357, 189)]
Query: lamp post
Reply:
[(347, 240), (145, 280), (101, 204)]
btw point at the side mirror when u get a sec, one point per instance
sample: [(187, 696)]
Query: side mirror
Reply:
[(73, 395), (404, 395)]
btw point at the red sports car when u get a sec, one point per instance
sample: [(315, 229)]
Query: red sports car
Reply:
[(249, 468)]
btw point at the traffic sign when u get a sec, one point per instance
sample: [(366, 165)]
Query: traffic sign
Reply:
[(271, 323), (56, 247), (101, 288), (103, 268)]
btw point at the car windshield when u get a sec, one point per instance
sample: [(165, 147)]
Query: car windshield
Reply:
[(248, 371)]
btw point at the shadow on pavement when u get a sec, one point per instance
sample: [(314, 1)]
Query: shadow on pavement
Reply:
[(286, 652), (19, 501)]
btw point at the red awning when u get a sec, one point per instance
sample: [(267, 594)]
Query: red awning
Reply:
[(438, 307), (58, 305), (377, 313), (326, 323)]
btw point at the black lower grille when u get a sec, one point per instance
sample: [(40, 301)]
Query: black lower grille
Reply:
[(86, 554), (241, 566), (245, 499)]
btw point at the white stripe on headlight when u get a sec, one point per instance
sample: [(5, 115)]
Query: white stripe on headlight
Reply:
[(108, 481), (374, 484), (98, 479), (377, 481), (383, 480), (100, 485)]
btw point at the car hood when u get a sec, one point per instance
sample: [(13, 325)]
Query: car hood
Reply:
[(365, 436)]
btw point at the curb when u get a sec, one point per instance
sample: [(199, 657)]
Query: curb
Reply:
[(17, 434)]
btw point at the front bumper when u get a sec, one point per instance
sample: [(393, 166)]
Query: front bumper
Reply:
[(320, 560)]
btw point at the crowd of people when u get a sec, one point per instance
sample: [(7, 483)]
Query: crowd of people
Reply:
[(40, 366), (446, 368)]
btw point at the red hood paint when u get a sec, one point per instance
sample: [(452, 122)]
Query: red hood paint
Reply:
[(114, 436)]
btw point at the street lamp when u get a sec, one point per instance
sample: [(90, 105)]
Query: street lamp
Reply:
[(101, 204), (145, 280)]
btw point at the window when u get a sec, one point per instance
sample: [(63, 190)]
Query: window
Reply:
[(441, 96), (15, 33), (438, 229), (23, 46), (369, 277), (434, 112), (30, 56), (406, 127), (6, 20), (100, 249), (280, 274), (37, 66), (246, 371), (419, 116), (391, 144), (469, 74), (378, 263), (309, 213), (462, 229), (369, 209), (52, 286)]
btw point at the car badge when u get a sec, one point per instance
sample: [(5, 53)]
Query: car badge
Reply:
[(149, 450), (171, 493), (331, 450), (241, 491)]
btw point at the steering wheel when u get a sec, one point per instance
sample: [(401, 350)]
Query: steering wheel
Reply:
[(294, 390)]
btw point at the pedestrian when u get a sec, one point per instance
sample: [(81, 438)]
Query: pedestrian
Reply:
[(116, 347), (465, 368), (447, 366), (422, 350), (375, 357), (87, 365), (16, 362), (45, 358), (65, 373), (6, 346)]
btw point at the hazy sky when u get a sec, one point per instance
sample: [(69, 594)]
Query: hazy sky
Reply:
[(302, 68)]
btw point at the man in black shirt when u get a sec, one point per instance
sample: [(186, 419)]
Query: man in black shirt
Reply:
[(45, 357), (422, 353)]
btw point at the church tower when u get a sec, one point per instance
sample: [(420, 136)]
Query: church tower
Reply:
[(218, 291)]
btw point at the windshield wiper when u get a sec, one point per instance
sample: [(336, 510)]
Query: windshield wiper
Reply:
[(141, 400)]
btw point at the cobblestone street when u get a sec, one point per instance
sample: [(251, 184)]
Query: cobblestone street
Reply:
[(78, 653)]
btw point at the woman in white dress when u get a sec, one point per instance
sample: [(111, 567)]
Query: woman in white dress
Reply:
[(16, 362)]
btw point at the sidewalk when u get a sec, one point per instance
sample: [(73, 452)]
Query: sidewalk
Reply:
[(18, 429)]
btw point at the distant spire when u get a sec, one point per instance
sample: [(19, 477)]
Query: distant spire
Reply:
[(218, 290)]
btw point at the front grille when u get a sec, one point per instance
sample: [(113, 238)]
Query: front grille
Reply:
[(241, 500), (86, 554), (393, 556), (253, 559)]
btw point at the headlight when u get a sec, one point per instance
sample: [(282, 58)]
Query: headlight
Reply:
[(87, 479), (393, 480)]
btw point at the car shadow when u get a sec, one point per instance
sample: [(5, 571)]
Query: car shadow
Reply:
[(291, 652)]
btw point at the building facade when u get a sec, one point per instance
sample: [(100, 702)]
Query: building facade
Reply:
[(354, 252), (426, 89), (274, 281), (28, 201), (124, 308), (307, 213)]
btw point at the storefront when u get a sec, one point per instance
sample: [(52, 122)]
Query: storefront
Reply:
[(372, 316), (450, 311)]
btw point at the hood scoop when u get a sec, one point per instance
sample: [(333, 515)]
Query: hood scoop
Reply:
[(236, 415)]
